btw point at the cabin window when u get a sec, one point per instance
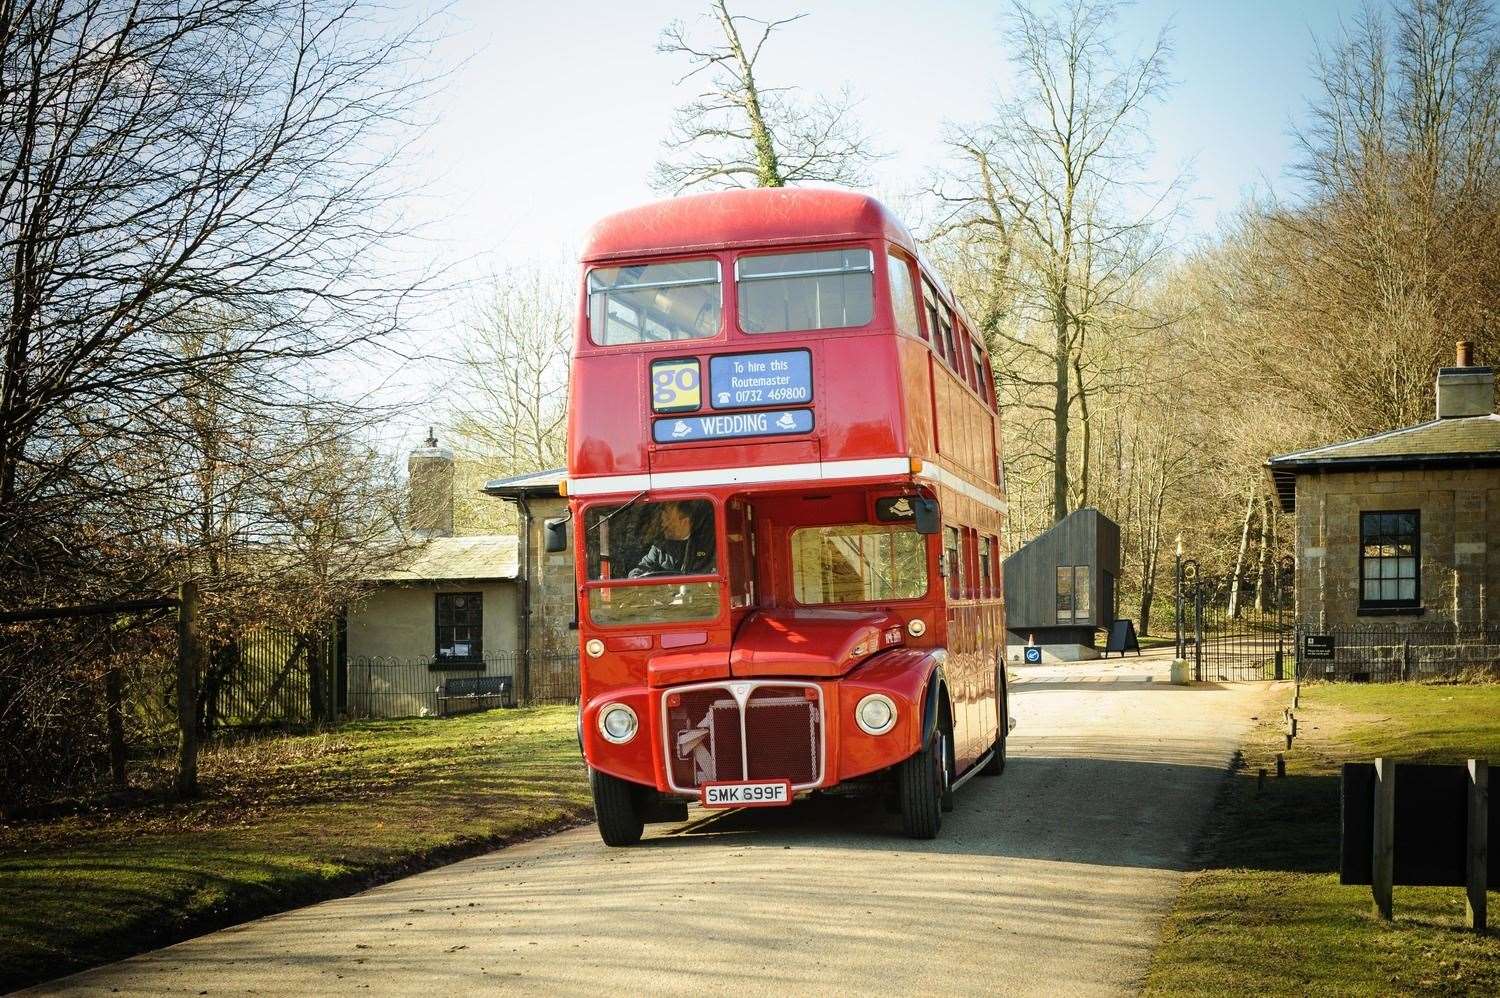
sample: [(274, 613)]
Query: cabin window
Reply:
[(460, 627), (1390, 559), (986, 553), (825, 289), (1073, 594), (979, 370), (638, 539), (931, 306), (903, 297), (945, 328), (858, 563), (950, 561), (739, 536), (654, 302)]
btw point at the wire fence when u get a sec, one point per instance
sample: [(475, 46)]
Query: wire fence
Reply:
[(1387, 653), (390, 687)]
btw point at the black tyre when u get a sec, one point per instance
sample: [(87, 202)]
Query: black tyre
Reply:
[(996, 764), (617, 809), (923, 779)]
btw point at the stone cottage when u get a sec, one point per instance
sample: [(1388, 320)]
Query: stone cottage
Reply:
[(1403, 527)]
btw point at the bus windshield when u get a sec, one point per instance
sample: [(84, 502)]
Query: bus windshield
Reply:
[(635, 540), (647, 303), (640, 540)]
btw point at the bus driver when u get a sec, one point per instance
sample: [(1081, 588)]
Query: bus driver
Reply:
[(684, 546)]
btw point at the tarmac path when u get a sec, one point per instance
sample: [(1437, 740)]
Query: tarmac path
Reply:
[(1051, 879)]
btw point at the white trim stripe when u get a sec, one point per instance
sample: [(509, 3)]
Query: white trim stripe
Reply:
[(960, 484), (752, 475)]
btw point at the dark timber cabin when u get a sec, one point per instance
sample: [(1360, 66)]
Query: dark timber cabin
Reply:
[(1061, 587)]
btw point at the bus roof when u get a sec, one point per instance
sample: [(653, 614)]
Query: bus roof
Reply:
[(754, 216)]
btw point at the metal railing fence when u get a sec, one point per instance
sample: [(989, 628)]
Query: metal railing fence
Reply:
[(380, 686), (1398, 652)]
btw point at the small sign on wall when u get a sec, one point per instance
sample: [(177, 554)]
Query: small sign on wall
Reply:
[(1317, 646)]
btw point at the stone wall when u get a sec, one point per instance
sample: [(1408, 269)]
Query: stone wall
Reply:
[(552, 590), (1460, 566)]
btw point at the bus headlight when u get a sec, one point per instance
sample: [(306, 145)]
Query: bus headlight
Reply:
[(916, 627), (594, 647), (617, 723), (876, 714)]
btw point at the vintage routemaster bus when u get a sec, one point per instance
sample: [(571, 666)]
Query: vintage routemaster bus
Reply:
[(786, 501)]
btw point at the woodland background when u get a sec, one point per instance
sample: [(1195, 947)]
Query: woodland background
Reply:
[(201, 226)]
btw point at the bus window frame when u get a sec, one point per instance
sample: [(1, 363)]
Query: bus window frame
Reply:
[(585, 343), (915, 280), (879, 317), (904, 601), (720, 576)]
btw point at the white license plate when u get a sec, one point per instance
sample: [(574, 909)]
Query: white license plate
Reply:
[(757, 793)]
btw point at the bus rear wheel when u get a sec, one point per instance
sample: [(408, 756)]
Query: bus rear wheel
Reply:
[(617, 809), (923, 782)]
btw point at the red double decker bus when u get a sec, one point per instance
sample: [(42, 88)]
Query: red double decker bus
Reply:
[(786, 502)]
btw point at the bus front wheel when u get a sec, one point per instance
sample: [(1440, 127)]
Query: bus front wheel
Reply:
[(617, 809), (923, 782)]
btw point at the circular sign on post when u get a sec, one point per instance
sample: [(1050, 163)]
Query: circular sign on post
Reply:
[(1033, 655)]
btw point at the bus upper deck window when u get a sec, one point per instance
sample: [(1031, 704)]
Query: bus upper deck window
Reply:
[(825, 289), (647, 303)]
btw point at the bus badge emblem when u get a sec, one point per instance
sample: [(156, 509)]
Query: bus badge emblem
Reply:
[(681, 429)]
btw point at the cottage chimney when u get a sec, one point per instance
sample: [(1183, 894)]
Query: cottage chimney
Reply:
[(429, 500), (1465, 390)]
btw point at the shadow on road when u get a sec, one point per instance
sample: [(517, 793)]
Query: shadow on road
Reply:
[(1069, 808)]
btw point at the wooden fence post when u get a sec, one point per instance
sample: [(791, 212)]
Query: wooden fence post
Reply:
[(1383, 855), (1476, 909), (189, 669)]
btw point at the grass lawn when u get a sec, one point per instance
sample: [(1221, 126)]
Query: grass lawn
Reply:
[(283, 821), (1267, 915)]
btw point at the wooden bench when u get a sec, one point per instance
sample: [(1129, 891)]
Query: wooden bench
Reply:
[(474, 693)]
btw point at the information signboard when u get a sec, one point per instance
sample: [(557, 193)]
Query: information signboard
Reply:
[(748, 380)]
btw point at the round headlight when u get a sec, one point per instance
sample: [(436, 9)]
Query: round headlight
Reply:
[(594, 647), (617, 723), (916, 627), (876, 714)]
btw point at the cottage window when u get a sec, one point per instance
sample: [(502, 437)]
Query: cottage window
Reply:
[(460, 625), (1390, 556)]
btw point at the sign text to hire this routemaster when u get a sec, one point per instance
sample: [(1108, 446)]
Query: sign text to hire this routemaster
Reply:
[(746, 380)]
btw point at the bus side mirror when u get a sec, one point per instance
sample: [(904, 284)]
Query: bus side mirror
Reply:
[(555, 534), (925, 512)]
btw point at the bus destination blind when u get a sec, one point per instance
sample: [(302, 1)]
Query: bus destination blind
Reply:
[(750, 380), (739, 424)]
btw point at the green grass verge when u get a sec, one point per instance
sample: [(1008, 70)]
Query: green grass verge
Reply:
[(283, 821), (1266, 915)]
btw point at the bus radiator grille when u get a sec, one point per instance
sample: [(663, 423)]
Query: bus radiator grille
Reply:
[(781, 732), (703, 738)]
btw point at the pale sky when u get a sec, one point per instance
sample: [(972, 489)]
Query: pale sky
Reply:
[(556, 110)]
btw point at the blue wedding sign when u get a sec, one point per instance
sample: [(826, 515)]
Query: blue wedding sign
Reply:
[(738, 424)]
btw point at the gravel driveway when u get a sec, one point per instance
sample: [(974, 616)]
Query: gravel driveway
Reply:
[(1051, 879)]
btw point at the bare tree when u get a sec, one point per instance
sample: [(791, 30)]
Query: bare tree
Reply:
[(1042, 188), (194, 200), (741, 133), (513, 369)]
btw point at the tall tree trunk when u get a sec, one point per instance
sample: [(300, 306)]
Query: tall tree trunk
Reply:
[(1239, 558), (1060, 407), (767, 167), (1083, 403), (1263, 567)]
